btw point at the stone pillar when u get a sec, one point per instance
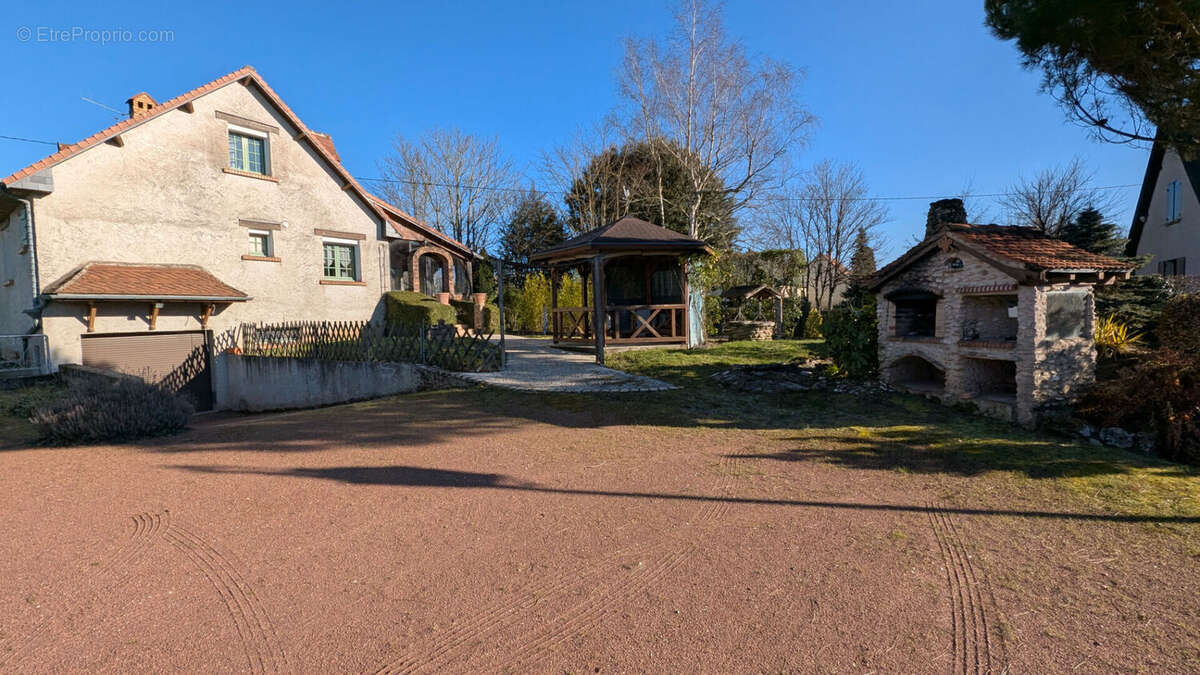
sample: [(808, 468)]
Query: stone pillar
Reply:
[(480, 301)]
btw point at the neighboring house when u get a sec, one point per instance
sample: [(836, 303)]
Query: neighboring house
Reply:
[(1001, 317), (217, 207), (1166, 223), (827, 281)]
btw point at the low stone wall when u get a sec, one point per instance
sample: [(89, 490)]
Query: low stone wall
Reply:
[(750, 330), (255, 383)]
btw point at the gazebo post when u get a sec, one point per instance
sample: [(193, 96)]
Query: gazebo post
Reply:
[(687, 304), (598, 309), (554, 277)]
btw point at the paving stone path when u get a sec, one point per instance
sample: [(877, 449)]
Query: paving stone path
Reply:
[(535, 364)]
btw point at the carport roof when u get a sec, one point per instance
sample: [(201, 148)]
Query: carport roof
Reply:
[(124, 281)]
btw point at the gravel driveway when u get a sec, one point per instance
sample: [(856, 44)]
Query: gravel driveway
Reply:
[(432, 533)]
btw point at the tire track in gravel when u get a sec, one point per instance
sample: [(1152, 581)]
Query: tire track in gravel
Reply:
[(258, 634), (971, 642), (108, 575), (662, 559), (589, 612)]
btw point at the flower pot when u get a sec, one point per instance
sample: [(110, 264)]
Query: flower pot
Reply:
[(443, 298)]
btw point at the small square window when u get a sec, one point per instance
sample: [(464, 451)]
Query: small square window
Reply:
[(341, 261), (260, 243), (247, 152)]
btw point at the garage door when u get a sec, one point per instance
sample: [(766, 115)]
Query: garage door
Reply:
[(178, 360)]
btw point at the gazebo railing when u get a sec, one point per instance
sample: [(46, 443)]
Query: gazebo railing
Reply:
[(646, 323), (572, 324), (642, 324)]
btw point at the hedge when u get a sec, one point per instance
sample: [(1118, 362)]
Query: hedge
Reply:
[(465, 310), (412, 307)]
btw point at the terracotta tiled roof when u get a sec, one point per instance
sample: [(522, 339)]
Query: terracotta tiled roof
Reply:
[(326, 142), (124, 125), (1025, 248), (323, 144), (1034, 249), (396, 213), (145, 281)]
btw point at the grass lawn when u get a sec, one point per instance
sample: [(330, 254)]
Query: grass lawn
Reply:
[(15, 405), (908, 434)]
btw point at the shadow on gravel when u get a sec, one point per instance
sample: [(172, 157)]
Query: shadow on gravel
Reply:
[(928, 449), (901, 433), (410, 476)]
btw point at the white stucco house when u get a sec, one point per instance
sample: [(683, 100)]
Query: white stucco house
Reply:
[(1166, 221), (220, 206)]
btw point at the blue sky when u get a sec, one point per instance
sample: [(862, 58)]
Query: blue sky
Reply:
[(918, 94)]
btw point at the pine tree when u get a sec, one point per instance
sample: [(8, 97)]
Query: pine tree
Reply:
[(1091, 233), (533, 226), (862, 268)]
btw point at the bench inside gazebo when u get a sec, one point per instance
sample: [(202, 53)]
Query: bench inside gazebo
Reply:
[(635, 285)]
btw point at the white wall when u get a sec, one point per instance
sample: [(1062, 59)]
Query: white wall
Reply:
[(1180, 240), (16, 284), (251, 383), (163, 198)]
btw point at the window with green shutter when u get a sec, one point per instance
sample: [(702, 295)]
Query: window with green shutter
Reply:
[(247, 153), (341, 261)]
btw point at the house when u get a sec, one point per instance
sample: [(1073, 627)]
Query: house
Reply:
[(1166, 222), (128, 249), (1000, 317), (827, 281)]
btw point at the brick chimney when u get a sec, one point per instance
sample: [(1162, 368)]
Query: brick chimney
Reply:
[(140, 104), (944, 212)]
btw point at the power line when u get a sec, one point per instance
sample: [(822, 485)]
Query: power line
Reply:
[(773, 198), (499, 188), (28, 140)]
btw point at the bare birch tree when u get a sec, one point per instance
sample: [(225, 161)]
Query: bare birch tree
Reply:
[(457, 182), (1053, 198), (728, 119), (822, 216)]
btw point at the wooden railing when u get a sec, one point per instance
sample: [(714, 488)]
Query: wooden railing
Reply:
[(645, 324), (572, 324)]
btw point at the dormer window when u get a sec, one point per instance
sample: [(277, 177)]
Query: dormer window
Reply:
[(248, 151)]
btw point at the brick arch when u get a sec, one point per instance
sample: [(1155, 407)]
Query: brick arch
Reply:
[(447, 267), (917, 355), (915, 370)]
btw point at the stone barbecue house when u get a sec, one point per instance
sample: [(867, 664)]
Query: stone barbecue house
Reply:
[(1001, 317)]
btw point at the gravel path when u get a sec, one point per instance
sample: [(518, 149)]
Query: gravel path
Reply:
[(535, 364), (469, 532)]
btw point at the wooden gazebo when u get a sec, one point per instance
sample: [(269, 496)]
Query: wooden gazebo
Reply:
[(638, 290)]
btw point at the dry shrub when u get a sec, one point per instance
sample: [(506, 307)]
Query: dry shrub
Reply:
[(95, 410), (1179, 324), (1158, 393)]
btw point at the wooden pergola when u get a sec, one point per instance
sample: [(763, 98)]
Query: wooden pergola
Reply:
[(635, 285)]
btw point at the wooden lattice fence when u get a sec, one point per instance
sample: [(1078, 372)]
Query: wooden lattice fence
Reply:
[(436, 345)]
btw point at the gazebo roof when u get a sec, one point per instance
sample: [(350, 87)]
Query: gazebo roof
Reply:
[(627, 235)]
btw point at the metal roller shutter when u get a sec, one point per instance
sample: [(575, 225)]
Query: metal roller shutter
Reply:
[(179, 360)]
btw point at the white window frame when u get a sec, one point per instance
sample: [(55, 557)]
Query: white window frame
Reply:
[(270, 239), (357, 248), (1174, 202), (253, 133)]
